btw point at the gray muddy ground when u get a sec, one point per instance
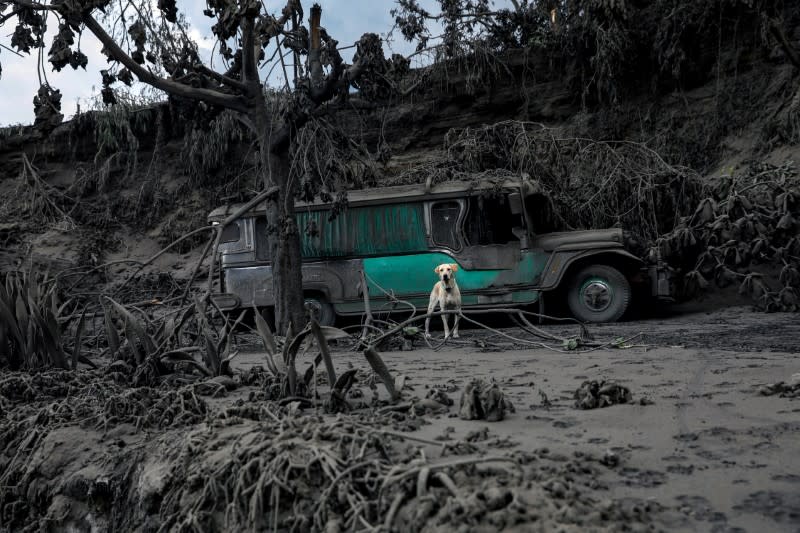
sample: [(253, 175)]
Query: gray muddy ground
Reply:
[(706, 447), (698, 448)]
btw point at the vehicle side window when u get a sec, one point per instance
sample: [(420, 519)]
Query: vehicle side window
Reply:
[(541, 214), (489, 221), (231, 233), (444, 224)]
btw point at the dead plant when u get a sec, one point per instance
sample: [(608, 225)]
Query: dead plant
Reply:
[(32, 324), (747, 226)]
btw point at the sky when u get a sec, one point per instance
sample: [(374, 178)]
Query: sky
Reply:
[(345, 20)]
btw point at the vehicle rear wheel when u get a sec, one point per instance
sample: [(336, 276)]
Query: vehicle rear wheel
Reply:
[(321, 309), (599, 293)]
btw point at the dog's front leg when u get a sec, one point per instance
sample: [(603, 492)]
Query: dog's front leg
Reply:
[(455, 325), (446, 328), (431, 307)]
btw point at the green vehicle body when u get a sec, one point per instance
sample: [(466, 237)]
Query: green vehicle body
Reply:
[(396, 236)]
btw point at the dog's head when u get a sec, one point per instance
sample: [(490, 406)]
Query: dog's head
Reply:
[(446, 271)]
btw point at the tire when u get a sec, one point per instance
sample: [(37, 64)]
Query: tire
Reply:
[(598, 293), (321, 308)]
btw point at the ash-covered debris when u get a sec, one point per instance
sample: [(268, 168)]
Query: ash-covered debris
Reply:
[(258, 465), (784, 389), (593, 394), (480, 401), (440, 396)]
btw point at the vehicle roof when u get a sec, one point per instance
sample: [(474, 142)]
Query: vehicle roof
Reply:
[(408, 193)]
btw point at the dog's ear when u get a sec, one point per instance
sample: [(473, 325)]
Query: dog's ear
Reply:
[(436, 270), (454, 267)]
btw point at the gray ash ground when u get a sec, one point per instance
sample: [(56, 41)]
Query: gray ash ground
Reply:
[(705, 452), (734, 329)]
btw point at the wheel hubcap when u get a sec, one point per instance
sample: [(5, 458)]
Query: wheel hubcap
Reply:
[(596, 295)]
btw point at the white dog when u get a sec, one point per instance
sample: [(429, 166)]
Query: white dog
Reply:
[(446, 295)]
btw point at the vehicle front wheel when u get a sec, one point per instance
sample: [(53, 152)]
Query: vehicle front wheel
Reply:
[(598, 293), (321, 309)]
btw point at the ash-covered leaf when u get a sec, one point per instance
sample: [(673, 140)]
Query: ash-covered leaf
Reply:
[(108, 78), (22, 39), (47, 107), (78, 59), (108, 96), (125, 77), (169, 9), (138, 34)]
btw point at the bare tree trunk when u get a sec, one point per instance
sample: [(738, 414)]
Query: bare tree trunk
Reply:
[(287, 279), (283, 234)]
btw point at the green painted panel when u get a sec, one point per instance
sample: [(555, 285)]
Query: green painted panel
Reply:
[(413, 274), (369, 230)]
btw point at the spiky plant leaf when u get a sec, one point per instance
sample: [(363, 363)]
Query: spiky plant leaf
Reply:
[(160, 333), (50, 334), (5, 343), (8, 319), (227, 335), (345, 381), (187, 314), (134, 332), (60, 308), (169, 330), (264, 332), (211, 355), (267, 340), (322, 343), (21, 312), (76, 349), (112, 336)]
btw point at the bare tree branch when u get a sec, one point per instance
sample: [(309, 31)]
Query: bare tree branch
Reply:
[(220, 78), (211, 96)]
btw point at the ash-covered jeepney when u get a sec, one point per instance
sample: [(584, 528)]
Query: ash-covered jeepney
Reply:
[(495, 231)]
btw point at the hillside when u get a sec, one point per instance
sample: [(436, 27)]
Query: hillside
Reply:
[(117, 186)]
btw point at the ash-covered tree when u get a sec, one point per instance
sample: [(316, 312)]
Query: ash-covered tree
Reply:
[(151, 43), (606, 49)]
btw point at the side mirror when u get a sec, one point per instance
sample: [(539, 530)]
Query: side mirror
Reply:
[(515, 203)]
